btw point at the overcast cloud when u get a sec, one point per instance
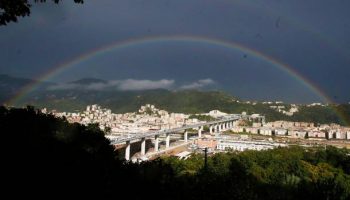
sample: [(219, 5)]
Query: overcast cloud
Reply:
[(310, 37)]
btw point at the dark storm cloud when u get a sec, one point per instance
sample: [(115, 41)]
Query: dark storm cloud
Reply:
[(311, 36)]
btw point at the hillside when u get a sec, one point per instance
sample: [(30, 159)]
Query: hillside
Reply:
[(183, 102), (73, 98)]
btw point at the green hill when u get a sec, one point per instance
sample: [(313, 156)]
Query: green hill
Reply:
[(183, 101), (189, 101)]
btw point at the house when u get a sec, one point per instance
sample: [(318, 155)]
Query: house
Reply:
[(265, 131), (252, 130), (316, 134), (237, 129), (297, 133), (281, 132)]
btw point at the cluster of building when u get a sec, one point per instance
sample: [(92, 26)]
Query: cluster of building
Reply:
[(147, 118), (297, 130), (282, 109), (235, 143)]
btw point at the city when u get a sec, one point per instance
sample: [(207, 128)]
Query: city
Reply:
[(245, 132), (175, 100)]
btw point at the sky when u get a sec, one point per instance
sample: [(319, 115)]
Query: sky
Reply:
[(311, 37)]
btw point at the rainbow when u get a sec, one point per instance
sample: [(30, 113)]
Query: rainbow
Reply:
[(119, 45), (160, 39)]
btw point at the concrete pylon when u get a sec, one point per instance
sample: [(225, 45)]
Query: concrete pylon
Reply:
[(127, 151), (143, 146), (167, 140), (186, 136), (200, 131), (211, 129), (156, 143)]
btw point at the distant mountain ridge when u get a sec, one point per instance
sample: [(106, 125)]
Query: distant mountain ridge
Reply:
[(182, 101), (88, 81), (10, 86)]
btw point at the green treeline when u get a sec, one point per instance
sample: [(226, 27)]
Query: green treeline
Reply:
[(47, 155), (285, 173)]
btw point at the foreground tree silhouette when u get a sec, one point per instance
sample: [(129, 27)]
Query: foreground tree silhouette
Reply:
[(10, 10), (45, 154)]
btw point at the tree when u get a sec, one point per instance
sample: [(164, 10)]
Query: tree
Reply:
[(10, 10), (46, 152), (108, 130)]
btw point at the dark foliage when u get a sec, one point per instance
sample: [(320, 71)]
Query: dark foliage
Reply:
[(10, 10), (47, 157), (44, 154)]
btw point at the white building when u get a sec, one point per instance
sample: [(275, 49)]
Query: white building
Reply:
[(237, 129), (281, 132), (238, 145), (297, 133), (316, 134), (265, 131), (340, 135), (252, 130), (216, 113)]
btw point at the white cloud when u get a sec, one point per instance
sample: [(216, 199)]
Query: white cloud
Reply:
[(198, 84), (132, 84), (128, 84)]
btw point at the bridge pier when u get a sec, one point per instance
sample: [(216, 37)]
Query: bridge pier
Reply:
[(200, 131), (211, 129), (214, 127), (167, 141), (127, 150), (143, 146), (156, 143)]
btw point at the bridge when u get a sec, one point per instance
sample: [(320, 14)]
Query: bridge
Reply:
[(222, 124)]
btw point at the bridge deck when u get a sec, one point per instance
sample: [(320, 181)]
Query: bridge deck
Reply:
[(138, 136)]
